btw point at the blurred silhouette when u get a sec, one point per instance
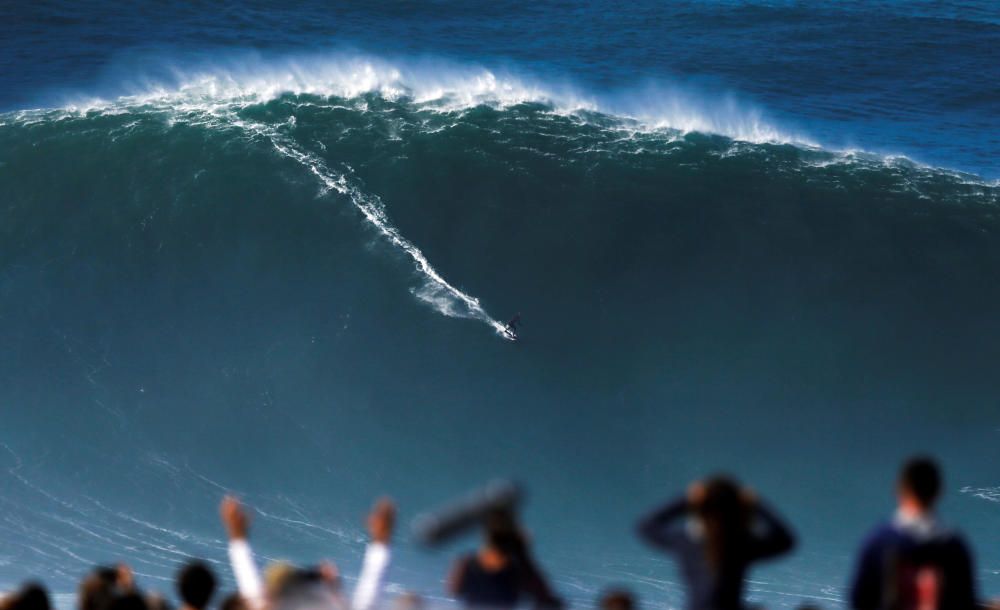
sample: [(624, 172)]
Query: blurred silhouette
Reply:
[(381, 523), (31, 596), (237, 524), (503, 571), (716, 532), (195, 586), (913, 562), (285, 585), (468, 513), (617, 599), (104, 586)]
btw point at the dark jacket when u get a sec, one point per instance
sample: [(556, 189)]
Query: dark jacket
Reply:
[(709, 588), (895, 553), (481, 589)]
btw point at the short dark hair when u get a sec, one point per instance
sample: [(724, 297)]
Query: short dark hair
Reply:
[(922, 477), (97, 590), (196, 584), (31, 596)]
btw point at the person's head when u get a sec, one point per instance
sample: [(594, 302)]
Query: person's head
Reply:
[(31, 596), (503, 534), (304, 589), (195, 585), (919, 484), (725, 516), (278, 577), (617, 599), (98, 589)]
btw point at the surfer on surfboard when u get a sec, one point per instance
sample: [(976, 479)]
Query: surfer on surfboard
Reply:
[(511, 327)]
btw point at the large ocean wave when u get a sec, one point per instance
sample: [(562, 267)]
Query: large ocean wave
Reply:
[(199, 248), (434, 84)]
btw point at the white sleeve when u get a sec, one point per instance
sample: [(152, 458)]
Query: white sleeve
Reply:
[(245, 571), (373, 571)]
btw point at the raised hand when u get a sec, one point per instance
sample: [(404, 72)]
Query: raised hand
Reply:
[(234, 518), (381, 521)]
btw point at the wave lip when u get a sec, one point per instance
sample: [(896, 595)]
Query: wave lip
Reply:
[(436, 85)]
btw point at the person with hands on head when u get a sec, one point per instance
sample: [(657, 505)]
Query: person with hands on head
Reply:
[(717, 530), (104, 585)]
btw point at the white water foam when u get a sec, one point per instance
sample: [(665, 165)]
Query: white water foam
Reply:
[(990, 494), (436, 290), (439, 85), (214, 100)]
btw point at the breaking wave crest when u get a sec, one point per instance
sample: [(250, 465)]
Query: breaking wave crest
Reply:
[(437, 84)]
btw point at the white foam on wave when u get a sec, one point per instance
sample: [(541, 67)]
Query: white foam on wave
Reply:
[(436, 291), (990, 494), (438, 85), (212, 97)]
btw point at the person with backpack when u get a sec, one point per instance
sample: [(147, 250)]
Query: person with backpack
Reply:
[(914, 562)]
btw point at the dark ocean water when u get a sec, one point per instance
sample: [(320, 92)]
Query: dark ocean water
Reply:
[(262, 249)]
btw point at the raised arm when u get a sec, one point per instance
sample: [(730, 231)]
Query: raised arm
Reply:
[(771, 537), (237, 524), (381, 521), (660, 527)]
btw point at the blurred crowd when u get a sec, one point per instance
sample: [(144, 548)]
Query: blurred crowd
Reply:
[(715, 531)]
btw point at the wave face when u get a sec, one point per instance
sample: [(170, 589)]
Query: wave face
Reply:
[(250, 282)]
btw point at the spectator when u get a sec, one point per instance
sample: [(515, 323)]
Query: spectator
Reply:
[(381, 522), (103, 586), (501, 571), (285, 581), (913, 562), (237, 524), (31, 596), (717, 531), (195, 586)]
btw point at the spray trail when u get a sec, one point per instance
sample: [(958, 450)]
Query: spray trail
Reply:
[(436, 290)]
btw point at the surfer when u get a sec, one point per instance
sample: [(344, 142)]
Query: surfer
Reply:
[(511, 327)]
